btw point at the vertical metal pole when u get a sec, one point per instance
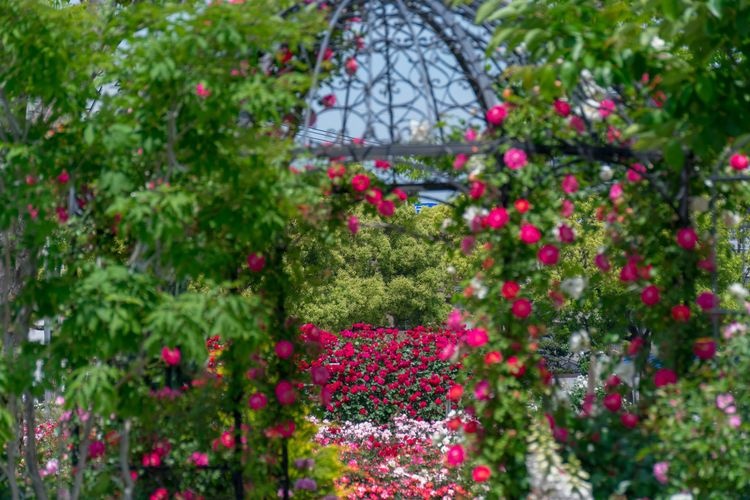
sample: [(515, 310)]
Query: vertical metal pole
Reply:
[(714, 268), (318, 64)]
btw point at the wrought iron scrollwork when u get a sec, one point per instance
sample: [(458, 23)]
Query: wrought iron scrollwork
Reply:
[(419, 70)]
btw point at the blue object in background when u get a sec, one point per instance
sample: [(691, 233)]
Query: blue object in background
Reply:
[(419, 206), (654, 361)]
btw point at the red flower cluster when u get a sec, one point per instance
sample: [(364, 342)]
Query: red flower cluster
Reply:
[(376, 373)]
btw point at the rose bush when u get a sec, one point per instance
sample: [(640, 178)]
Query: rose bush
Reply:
[(379, 373), (648, 151)]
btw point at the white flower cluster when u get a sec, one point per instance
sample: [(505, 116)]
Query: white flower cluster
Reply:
[(480, 289), (738, 291), (420, 131), (401, 429), (550, 477), (475, 165)]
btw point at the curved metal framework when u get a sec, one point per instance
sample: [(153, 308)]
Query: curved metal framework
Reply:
[(411, 71)]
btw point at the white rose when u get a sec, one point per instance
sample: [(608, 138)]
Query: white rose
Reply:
[(739, 291), (420, 131), (699, 204), (579, 341), (475, 165), (573, 287), (480, 290), (731, 219), (657, 43)]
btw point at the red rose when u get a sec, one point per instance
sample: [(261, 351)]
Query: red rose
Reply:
[(613, 402), (629, 420), (664, 376), (481, 473), (704, 348)]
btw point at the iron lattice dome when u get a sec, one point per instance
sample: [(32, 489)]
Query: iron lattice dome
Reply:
[(409, 72)]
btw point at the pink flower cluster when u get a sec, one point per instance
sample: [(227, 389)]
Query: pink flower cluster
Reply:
[(404, 458), (725, 403)]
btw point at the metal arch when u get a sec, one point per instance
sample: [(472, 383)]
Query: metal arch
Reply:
[(421, 72), (422, 64), (474, 74), (319, 62), (370, 80), (388, 81)]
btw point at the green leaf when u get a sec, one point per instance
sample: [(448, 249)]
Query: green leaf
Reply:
[(88, 134), (577, 48), (704, 87), (512, 9), (532, 38), (17, 152), (486, 9), (115, 183), (499, 37), (674, 155), (714, 6), (569, 75), (547, 80), (671, 9), (6, 425), (93, 386)]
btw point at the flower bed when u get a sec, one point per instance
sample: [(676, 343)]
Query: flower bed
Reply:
[(378, 373), (401, 459), (386, 405)]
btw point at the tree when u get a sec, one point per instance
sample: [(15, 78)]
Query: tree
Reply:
[(403, 272), (146, 204)]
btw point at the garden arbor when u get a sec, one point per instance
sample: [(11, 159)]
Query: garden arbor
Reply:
[(152, 218)]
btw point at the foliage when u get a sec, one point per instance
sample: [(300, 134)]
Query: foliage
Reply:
[(396, 274), (144, 152), (703, 425), (626, 115), (149, 206)]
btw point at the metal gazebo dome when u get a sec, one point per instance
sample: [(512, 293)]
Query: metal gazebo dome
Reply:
[(409, 72)]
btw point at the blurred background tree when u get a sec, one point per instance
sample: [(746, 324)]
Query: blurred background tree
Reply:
[(403, 273)]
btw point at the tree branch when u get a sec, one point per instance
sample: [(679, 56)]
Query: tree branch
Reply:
[(8, 340), (12, 448), (127, 492), (83, 453), (172, 143), (12, 122), (32, 460), (61, 449)]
